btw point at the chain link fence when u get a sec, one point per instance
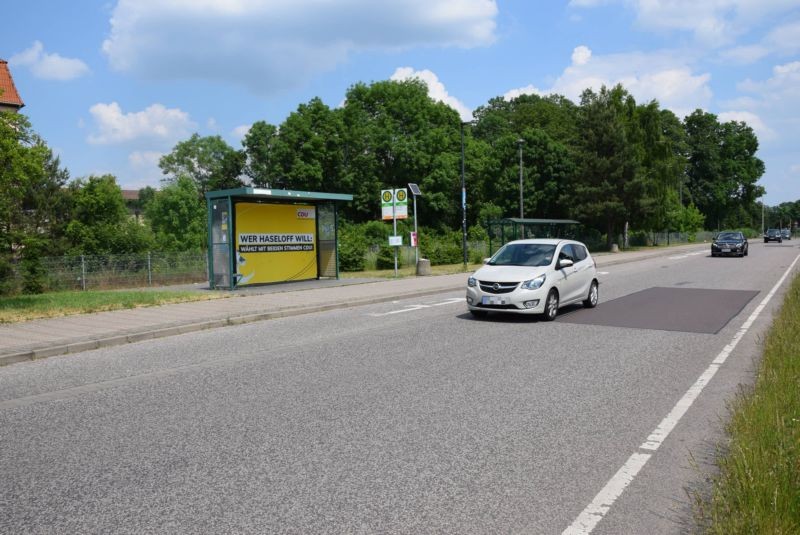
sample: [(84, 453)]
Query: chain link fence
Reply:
[(101, 272)]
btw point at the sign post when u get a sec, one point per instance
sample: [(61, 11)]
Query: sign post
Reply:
[(394, 206), (415, 236)]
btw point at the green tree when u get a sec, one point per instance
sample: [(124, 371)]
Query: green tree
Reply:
[(258, 148), (177, 217), (723, 169), (394, 133), (307, 155), (209, 161), (100, 223), (608, 191), (22, 164)]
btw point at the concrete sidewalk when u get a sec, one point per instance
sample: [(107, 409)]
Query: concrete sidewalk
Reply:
[(71, 334)]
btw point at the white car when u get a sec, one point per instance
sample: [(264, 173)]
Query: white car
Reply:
[(534, 277)]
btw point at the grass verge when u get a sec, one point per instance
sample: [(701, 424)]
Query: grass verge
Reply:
[(50, 305), (757, 489)]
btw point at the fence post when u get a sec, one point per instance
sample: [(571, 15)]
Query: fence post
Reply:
[(83, 272), (149, 271)]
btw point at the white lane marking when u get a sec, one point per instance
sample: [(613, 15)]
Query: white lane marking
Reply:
[(411, 308), (595, 511), (602, 272), (449, 301), (686, 255)]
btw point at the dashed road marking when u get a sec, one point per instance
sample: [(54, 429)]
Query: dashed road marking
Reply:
[(412, 308)]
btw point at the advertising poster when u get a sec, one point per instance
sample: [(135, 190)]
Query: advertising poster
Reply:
[(275, 243)]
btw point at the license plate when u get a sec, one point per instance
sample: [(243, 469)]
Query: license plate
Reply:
[(726, 250), (492, 300)]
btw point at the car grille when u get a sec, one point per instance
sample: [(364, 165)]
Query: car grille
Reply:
[(498, 287)]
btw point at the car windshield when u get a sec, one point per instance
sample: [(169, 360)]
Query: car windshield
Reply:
[(773, 231), (729, 236), (523, 254)]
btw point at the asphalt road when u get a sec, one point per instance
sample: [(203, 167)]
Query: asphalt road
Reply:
[(405, 417)]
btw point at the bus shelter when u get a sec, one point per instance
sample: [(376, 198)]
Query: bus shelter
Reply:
[(509, 229), (263, 236)]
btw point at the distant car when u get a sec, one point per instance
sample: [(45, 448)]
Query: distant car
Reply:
[(786, 234), (729, 243), (773, 234), (534, 277)]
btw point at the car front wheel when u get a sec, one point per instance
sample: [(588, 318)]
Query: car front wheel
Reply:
[(551, 306), (594, 294)]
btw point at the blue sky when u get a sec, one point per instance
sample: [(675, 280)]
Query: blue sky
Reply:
[(113, 85)]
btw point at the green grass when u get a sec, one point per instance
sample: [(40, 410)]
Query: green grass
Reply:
[(49, 305), (757, 489)]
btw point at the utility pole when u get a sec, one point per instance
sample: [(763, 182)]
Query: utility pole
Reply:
[(463, 202), (520, 141)]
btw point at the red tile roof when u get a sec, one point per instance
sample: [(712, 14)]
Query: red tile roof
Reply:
[(8, 92)]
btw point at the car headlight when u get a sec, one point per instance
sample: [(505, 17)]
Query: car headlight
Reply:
[(471, 282), (534, 284)]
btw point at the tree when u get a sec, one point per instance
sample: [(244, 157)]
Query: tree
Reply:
[(394, 133), (209, 161), (307, 155), (22, 163), (723, 169), (177, 217), (608, 190), (100, 223), (258, 148)]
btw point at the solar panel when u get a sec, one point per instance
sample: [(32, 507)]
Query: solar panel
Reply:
[(414, 189)]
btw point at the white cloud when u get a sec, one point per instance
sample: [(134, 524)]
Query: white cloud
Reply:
[(270, 45), (436, 89), (783, 40), (148, 159), (155, 124), (659, 75), (240, 131), (527, 90), (581, 55), (753, 121), (49, 66), (712, 22), (783, 89)]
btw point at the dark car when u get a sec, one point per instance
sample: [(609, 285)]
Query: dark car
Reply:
[(729, 243), (786, 234), (773, 234)]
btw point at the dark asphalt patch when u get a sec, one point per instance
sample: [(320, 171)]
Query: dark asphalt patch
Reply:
[(692, 310)]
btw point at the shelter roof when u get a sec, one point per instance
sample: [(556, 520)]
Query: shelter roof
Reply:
[(278, 194)]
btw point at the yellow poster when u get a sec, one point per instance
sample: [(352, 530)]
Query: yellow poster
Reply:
[(275, 243)]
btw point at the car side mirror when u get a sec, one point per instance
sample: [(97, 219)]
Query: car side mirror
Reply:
[(486, 260), (565, 263)]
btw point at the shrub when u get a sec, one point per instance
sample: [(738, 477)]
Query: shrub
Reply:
[(385, 258), (34, 275), (351, 254), (7, 280)]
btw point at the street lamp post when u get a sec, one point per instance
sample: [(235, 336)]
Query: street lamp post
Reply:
[(463, 202), (520, 141)]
